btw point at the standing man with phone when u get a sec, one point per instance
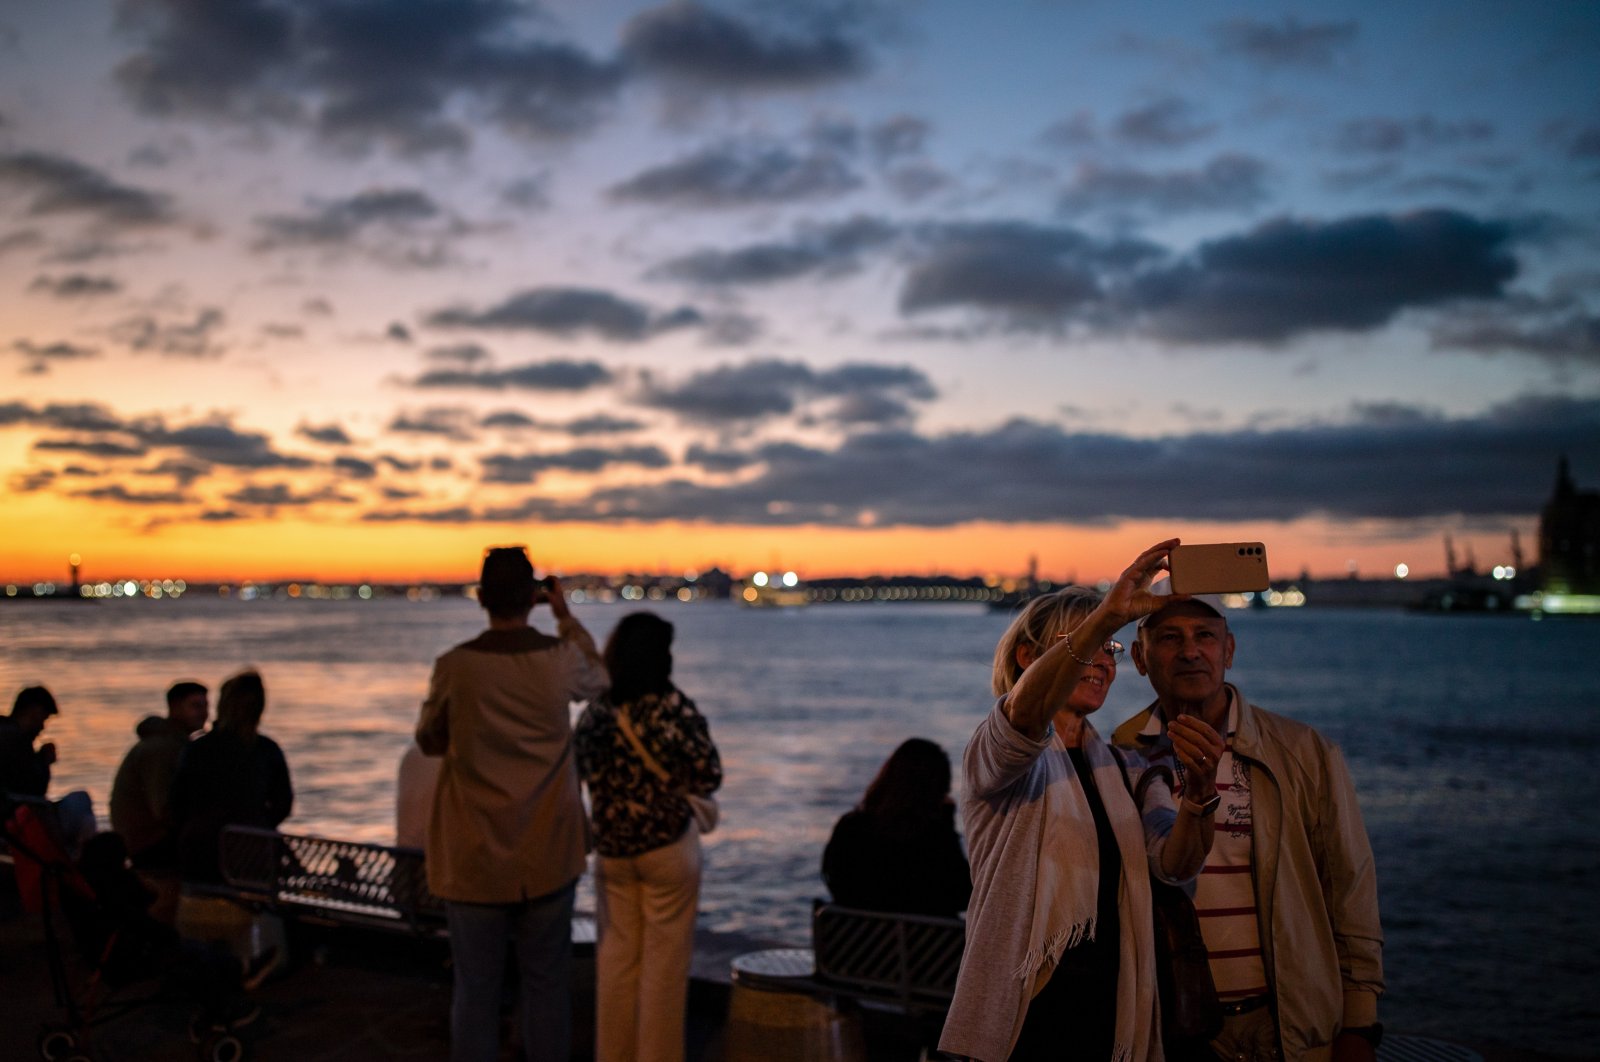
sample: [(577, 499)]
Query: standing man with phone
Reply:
[(1288, 899), (507, 840)]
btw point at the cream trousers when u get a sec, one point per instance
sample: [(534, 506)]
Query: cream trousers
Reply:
[(646, 908)]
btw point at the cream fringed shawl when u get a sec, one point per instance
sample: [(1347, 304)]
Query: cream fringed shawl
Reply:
[(1035, 873), (1066, 888)]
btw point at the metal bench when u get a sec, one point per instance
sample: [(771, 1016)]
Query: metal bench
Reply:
[(904, 962), (341, 882)]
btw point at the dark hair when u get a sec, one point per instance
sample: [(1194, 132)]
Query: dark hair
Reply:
[(240, 703), (638, 656), (34, 697), (911, 785), (181, 691), (505, 588)]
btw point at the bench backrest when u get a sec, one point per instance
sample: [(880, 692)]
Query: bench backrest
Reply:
[(345, 880), (909, 960)]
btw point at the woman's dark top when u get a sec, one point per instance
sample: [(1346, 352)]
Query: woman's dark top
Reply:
[(1075, 1015), (914, 867), (633, 811), (223, 780)]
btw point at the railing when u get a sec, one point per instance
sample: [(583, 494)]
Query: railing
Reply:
[(908, 961)]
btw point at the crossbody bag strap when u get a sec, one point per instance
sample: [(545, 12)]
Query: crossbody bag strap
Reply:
[(626, 726)]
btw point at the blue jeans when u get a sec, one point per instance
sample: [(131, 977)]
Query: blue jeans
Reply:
[(540, 931)]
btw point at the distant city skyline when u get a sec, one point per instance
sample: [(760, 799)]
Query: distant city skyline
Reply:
[(350, 289)]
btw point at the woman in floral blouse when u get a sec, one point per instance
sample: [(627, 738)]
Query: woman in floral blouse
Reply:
[(647, 866)]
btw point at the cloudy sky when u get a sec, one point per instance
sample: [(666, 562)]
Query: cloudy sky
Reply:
[(354, 287)]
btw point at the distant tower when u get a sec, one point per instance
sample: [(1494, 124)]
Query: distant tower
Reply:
[(1569, 537), (1516, 550), (1033, 570), (73, 562), (1449, 555)]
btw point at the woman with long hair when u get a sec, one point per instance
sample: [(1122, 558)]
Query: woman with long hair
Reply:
[(898, 849), (1060, 953), (643, 750)]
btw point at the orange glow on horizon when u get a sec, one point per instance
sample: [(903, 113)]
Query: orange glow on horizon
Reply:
[(303, 547)]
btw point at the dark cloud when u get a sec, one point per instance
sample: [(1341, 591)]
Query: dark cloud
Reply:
[(767, 388), (1496, 463), (412, 75), (76, 285), (554, 375), (525, 468), (281, 494), (176, 339), (330, 434), (719, 461), (116, 492), (220, 516), (1027, 275), (602, 424), (458, 514), (1384, 136), (354, 467), (219, 443), (48, 352), (184, 473), (826, 250), (871, 408), (1228, 182), (569, 312), (1074, 131), (1288, 277), (528, 193), (92, 447), (915, 181), (1166, 123), (508, 418), (742, 173), (1288, 42), (399, 464), (60, 185), (1561, 331), (339, 222), (397, 332), (450, 422), (691, 43), (897, 137)]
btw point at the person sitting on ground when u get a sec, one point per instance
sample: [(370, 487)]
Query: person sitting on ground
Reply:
[(231, 775), (898, 849), (142, 789), (25, 769), (647, 870)]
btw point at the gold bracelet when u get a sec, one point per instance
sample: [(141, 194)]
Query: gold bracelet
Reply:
[(1067, 637)]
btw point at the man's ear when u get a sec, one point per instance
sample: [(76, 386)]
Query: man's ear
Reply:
[(1227, 656), (1136, 653)]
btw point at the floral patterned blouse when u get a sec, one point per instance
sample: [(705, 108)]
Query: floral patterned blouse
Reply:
[(633, 811)]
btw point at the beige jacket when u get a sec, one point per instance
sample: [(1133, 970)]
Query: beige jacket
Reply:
[(1316, 886), (507, 822)]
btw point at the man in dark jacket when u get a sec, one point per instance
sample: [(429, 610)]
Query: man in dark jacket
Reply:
[(142, 790)]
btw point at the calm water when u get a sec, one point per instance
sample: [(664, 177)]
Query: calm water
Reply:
[(1471, 741)]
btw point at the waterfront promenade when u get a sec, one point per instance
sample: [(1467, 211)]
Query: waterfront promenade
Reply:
[(352, 996)]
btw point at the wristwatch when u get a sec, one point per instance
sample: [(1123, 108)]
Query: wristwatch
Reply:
[(1208, 807), (1372, 1034)]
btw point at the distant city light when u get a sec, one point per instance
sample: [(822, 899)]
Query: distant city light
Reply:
[(130, 588), (790, 578), (1401, 571), (1504, 572), (365, 592), (759, 578)]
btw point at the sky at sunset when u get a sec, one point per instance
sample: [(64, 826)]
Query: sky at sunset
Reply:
[(352, 288)]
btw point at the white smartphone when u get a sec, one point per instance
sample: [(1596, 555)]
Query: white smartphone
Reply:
[(1218, 568)]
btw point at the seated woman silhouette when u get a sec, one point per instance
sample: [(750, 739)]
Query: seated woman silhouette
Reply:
[(898, 849)]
